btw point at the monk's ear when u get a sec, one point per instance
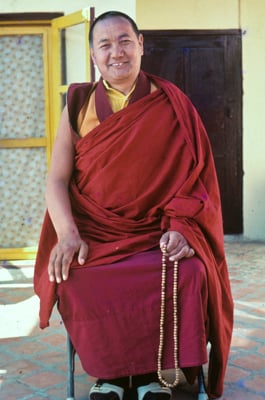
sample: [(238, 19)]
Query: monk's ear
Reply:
[(92, 55), (141, 43)]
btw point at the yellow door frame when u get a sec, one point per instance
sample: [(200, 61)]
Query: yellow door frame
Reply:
[(58, 89)]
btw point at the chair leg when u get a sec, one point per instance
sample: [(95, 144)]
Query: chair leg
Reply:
[(70, 369), (202, 392)]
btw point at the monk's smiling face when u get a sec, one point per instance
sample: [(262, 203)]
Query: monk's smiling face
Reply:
[(117, 52)]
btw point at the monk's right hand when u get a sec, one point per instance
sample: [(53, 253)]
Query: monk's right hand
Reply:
[(62, 256)]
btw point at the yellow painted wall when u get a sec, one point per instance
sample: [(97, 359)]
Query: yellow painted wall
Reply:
[(66, 6), (253, 22), (187, 14), (248, 15)]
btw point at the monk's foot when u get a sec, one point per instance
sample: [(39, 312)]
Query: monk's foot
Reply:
[(154, 391), (106, 391)]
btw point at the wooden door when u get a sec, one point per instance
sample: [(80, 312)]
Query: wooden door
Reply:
[(206, 65)]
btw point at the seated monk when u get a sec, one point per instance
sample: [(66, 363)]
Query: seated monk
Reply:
[(134, 221)]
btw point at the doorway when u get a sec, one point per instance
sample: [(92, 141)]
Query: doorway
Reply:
[(36, 50)]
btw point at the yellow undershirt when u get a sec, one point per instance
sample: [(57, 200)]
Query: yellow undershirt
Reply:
[(117, 99)]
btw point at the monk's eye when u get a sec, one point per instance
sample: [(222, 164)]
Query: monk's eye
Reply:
[(104, 46), (125, 42)]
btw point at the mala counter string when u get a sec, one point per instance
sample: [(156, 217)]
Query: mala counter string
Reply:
[(162, 321)]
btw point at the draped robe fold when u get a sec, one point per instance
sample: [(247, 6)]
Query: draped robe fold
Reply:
[(142, 171)]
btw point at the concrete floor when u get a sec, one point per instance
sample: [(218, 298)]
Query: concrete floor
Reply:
[(33, 362)]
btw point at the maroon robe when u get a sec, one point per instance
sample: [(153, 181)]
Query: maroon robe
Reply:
[(145, 170)]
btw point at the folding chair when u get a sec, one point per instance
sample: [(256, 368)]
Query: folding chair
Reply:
[(202, 395), (70, 369)]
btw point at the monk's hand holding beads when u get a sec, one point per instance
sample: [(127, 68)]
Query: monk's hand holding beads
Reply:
[(176, 246)]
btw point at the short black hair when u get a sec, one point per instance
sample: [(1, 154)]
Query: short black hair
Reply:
[(111, 14)]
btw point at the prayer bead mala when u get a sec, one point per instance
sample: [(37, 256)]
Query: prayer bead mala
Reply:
[(162, 321)]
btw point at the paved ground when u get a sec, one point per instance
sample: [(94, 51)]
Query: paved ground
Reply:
[(33, 362)]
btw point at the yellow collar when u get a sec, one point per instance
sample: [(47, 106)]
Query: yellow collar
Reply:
[(117, 99)]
